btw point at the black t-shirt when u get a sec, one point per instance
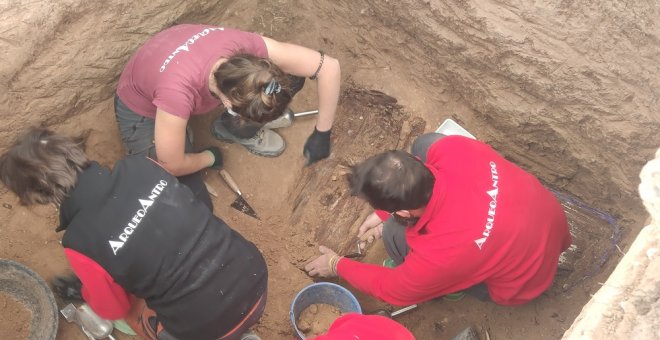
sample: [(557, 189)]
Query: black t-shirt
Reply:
[(159, 243)]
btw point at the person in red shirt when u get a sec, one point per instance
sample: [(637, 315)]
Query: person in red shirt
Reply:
[(360, 326), (189, 70), (454, 215)]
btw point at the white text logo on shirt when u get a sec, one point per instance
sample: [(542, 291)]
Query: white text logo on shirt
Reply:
[(137, 218), (492, 206), (185, 46)]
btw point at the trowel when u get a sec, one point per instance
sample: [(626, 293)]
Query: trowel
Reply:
[(90, 324), (239, 203)]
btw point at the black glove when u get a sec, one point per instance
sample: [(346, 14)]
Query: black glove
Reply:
[(317, 146), (67, 287), (217, 156)]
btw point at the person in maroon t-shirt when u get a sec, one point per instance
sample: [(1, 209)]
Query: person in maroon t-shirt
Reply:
[(189, 70), (454, 216)]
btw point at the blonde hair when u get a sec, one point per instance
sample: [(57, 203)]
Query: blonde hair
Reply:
[(244, 79), (42, 167)]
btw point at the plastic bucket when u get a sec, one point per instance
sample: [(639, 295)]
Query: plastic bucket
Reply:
[(322, 292)]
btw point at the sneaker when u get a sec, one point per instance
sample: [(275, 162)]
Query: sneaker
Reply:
[(265, 143), (123, 327), (454, 296), (389, 263), (285, 120), (250, 335)]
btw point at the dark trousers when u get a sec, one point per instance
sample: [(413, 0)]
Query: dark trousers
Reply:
[(137, 134), (144, 321)]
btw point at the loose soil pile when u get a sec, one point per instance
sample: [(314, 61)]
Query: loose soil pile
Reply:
[(567, 90)]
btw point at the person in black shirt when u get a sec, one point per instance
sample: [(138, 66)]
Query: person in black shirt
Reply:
[(145, 249)]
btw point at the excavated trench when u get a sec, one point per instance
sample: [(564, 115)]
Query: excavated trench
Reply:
[(566, 90)]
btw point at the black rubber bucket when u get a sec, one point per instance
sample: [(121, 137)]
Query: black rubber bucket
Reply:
[(29, 289)]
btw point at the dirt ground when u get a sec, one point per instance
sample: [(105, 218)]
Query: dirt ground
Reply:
[(272, 185), (267, 184), (15, 322)]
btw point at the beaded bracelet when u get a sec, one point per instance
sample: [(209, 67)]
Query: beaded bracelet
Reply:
[(332, 263), (316, 74)]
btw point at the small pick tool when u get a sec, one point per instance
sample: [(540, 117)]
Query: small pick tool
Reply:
[(293, 116), (239, 203)]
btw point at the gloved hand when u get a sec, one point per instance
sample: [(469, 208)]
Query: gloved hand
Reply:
[(317, 146), (67, 287), (217, 156)]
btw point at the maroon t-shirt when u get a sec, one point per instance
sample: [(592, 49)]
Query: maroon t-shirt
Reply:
[(171, 70)]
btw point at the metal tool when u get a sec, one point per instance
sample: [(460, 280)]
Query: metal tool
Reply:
[(387, 313), (293, 116), (305, 113), (239, 203), (90, 324)]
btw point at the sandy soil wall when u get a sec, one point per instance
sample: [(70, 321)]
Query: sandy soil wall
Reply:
[(570, 88), (567, 89), (627, 306), (62, 57)]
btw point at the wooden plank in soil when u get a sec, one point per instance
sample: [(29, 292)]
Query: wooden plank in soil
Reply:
[(324, 212)]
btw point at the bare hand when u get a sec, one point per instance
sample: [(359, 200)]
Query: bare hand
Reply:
[(370, 230), (320, 266)]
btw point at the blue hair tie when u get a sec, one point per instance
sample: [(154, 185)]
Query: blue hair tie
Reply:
[(272, 87)]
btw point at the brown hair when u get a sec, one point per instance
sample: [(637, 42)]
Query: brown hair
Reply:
[(42, 167), (243, 78), (391, 181)]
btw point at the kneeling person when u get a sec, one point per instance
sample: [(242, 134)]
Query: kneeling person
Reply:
[(454, 215), (135, 235)]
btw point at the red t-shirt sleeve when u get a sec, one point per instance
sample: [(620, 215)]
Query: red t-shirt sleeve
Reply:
[(383, 215), (107, 299), (359, 326), (414, 281)]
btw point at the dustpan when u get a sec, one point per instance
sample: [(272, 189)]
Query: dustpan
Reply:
[(450, 127)]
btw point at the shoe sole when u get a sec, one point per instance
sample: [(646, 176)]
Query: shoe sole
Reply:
[(269, 155)]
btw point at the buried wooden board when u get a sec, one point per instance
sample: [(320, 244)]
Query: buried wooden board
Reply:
[(324, 212)]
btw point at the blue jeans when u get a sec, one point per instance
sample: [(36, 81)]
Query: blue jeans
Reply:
[(137, 134)]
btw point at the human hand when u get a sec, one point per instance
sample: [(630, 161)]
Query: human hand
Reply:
[(68, 287), (370, 230), (217, 157), (317, 146), (324, 265)]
